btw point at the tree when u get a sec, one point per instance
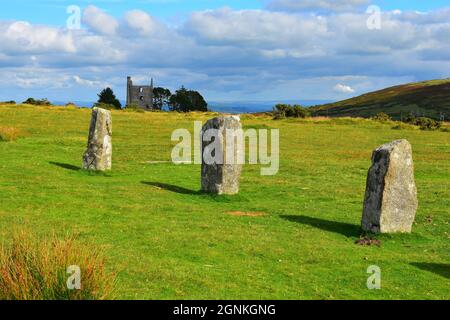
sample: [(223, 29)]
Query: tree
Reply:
[(187, 100), (161, 97), (106, 96), (282, 111)]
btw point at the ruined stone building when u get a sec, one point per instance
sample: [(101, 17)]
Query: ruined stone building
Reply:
[(141, 96)]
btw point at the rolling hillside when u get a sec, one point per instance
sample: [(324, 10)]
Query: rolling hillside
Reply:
[(428, 98)]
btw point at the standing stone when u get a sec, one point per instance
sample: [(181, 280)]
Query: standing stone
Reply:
[(99, 150), (390, 202), (221, 177)]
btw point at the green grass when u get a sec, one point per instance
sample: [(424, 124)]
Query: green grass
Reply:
[(166, 241)]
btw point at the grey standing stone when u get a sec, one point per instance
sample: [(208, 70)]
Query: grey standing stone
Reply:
[(98, 155), (390, 202), (222, 177)]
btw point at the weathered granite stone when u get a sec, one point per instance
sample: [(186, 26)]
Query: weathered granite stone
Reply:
[(99, 150), (221, 177), (390, 202)]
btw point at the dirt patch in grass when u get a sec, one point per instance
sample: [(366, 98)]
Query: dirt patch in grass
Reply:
[(246, 214), (365, 241)]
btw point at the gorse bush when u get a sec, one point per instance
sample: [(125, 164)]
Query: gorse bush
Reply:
[(428, 124), (299, 112), (423, 122), (282, 111), (382, 117), (37, 269), (38, 102), (9, 134)]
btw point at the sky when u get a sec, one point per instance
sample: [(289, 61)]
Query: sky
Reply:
[(235, 50)]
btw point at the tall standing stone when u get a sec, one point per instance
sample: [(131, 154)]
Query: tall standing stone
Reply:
[(98, 155), (390, 202), (220, 177)]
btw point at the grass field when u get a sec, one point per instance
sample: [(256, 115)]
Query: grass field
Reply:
[(166, 241)]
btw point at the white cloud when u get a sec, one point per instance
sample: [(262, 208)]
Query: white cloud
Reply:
[(90, 83), (141, 21), (342, 88), (327, 5), (99, 21), (22, 37), (249, 27)]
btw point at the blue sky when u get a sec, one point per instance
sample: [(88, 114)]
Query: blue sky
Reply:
[(52, 12), (228, 50)]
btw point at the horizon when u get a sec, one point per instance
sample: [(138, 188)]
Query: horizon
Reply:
[(277, 50), (232, 107)]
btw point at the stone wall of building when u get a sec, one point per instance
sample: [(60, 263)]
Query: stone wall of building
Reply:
[(141, 96)]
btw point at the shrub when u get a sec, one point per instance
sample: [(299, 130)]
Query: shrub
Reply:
[(37, 102), (300, 112), (282, 111), (9, 134), (423, 122), (382, 117), (428, 124), (32, 268), (8, 102)]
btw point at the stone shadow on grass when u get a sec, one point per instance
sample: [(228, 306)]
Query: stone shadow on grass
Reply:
[(65, 166), (346, 229), (442, 269), (171, 187)]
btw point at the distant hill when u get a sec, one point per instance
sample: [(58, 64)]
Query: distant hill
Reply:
[(428, 98)]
